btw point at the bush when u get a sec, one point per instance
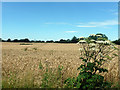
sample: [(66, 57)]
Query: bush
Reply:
[(25, 44), (94, 55)]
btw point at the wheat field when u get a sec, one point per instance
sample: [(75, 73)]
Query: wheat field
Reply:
[(21, 62)]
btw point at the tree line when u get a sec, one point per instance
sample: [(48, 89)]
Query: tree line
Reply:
[(117, 41), (73, 40)]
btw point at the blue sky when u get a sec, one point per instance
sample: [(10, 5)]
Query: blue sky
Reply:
[(62, 20)]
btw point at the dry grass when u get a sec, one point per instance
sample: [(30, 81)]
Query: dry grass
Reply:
[(21, 62)]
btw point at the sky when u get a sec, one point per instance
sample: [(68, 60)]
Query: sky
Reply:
[(58, 20)]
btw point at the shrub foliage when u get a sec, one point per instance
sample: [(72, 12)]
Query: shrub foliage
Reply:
[(94, 55)]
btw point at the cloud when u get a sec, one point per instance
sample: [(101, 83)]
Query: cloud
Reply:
[(112, 10), (105, 23), (85, 26), (116, 13), (99, 24), (70, 31), (58, 23), (48, 23)]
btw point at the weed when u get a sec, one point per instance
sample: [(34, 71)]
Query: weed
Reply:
[(26, 49), (94, 56), (34, 48), (51, 79)]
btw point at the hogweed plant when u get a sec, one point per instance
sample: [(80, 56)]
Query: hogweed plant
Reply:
[(93, 54)]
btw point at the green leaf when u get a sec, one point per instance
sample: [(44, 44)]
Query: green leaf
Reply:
[(115, 54), (116, 48), (78, 68), (40, 66), (102, 60), (89, 64), (60, 68), (81, 66), (81, 58), (98, 62), (108, 57), (90, 80), (85, 60), (102, 70), (78, 85)]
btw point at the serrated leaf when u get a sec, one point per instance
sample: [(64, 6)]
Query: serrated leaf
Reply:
[(81, 58)]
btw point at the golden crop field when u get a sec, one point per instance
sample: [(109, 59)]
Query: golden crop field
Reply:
[(21, 62)]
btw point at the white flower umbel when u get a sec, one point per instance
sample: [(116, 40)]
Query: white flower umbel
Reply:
[(92, 44), (100, 42), (78, 43), (99, 35), (81, 38), (94, 49), (107, 42), (92, 34), (81, 49), (82, 41), (92, 40), (98, 51)]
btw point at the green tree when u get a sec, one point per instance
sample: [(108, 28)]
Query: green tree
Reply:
[(9, 40), (74, 40)]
